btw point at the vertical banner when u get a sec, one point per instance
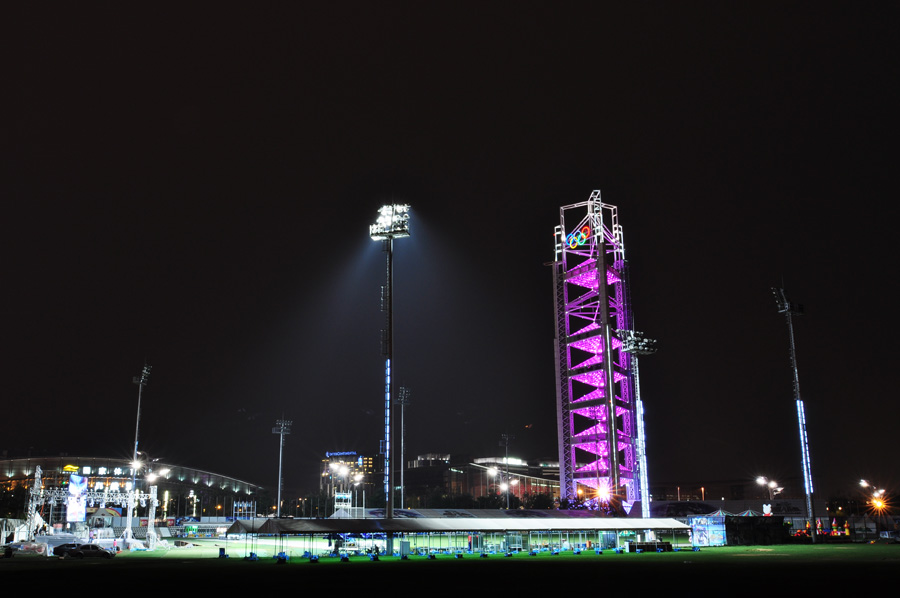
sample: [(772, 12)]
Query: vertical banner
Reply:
[(75, 504)]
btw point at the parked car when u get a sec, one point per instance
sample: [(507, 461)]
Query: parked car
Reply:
[(63, 549), (81, 551)]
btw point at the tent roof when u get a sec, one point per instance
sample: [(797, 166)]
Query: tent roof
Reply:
[(449, 524)]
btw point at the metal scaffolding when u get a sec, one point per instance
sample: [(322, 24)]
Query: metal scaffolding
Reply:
[(599, 419)]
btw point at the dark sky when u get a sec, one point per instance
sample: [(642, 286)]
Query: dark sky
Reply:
[(193, 188)]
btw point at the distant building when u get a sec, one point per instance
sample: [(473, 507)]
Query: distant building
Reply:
[(347, 472), (461, 476), (181, 491)]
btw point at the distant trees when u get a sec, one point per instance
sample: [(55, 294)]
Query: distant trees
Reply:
[(12, 502)]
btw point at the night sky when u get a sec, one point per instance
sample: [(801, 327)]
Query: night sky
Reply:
[(193, 188)]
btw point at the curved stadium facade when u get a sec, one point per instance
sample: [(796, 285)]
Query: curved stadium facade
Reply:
[(181, 491)]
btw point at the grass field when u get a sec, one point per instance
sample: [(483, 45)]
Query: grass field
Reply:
[(749, 570)]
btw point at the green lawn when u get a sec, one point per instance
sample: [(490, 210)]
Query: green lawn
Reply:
[(737, 570)]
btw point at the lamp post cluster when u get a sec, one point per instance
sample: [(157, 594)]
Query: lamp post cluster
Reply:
[(770, 485), (876, 501), (506, 484)]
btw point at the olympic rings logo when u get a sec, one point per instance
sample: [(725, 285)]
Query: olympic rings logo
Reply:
[(576, 239)]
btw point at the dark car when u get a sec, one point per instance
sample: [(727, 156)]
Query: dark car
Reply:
[(63, 549), (90, 551)]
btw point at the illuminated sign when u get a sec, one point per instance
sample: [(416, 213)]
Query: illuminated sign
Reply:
[(75, 507), (578, 238)]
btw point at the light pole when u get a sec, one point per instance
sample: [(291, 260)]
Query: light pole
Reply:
[(504, 441), (282, 428), (494, 473), (141, 382), (876, 504), (790, 309), (392, 223), (635, 343), (357, 480), (403, 400)]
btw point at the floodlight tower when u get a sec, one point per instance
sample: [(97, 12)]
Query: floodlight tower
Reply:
[(392, 223), (282, 428), (792, 309), (141, 383), (596, 379)]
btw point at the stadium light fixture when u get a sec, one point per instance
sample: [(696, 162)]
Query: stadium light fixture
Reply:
[(392, 223)]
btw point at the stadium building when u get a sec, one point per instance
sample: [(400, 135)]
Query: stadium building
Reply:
[(184, 495)]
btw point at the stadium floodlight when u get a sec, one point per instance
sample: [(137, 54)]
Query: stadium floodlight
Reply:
[(792, 309), (282, 428), (392, 223), (141, 383)]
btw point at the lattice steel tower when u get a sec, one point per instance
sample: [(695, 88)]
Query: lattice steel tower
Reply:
[(601, 444)]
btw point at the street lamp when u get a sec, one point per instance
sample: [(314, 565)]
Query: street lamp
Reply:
[(403, 400), (392, 223), (877, 500), (504, 441), (494, 473), (771, 485), (875, 491), (877, 503), (357, 480)]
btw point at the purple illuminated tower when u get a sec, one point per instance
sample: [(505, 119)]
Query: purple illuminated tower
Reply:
[(599, 416)]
